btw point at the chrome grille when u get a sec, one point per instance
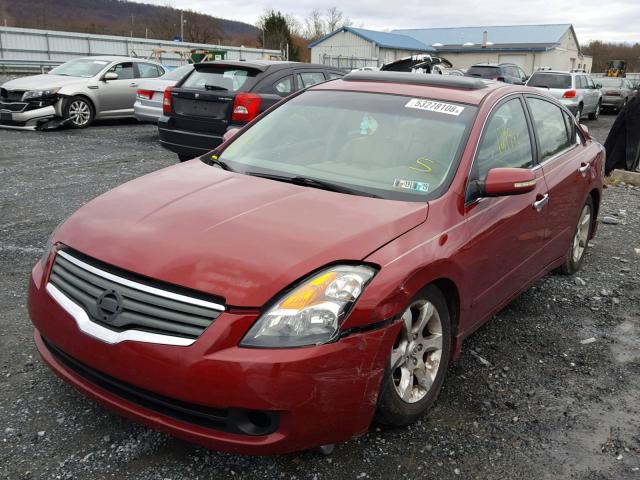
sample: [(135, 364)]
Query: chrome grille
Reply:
[(118, 303), (13, 107)]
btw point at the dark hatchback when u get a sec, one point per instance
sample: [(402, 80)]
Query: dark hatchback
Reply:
[(218, 96)]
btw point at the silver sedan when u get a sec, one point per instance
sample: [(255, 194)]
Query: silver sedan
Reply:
[(148, 106), (75, 93), (616, 92)]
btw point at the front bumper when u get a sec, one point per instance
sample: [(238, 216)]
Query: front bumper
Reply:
[(27, 120), (319, 395)]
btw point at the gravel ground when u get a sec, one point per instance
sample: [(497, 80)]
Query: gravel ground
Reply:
[(548, 389)]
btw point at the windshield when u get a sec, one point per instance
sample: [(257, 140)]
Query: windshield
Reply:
[(610, 82), (178, 73), (550, 80), (221, 78), (390, 146), (82, 67)]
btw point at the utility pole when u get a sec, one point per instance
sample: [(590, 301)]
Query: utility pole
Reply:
[(181, 26)]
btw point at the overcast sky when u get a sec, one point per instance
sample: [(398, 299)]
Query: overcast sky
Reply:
[(614, 20)]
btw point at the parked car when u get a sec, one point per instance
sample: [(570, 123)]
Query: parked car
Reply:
[(616, 92), (502, 72), (577, 91), (218, 96), (148, 104), (75, 93), (321, 266)]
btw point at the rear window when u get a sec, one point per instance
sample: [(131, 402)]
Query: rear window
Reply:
[(484, 72), (392, 146), (550, 80), (611, 82), (222, 78)]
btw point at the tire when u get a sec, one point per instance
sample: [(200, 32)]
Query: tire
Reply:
[(596, 113), (411, 351), (183, 158), (580, 241), (579, 112), (79, 112)]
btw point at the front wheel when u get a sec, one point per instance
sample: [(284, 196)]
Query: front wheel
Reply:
[(418, 361), (580, 242), (79, 112)]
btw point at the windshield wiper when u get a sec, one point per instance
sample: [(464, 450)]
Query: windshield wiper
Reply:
[(214, 160), (314, 183)]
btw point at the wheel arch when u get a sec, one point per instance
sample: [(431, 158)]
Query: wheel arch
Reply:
[(84, 97)]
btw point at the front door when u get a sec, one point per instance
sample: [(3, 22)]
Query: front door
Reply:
[(506, 233), (120, 94)]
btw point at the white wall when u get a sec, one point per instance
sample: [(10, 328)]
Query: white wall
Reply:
[(344, 44)]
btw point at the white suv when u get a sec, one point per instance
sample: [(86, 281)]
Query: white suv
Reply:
[(576, 90)]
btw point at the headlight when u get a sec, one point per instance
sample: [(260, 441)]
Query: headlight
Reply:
[(311, 313), (31, 94)]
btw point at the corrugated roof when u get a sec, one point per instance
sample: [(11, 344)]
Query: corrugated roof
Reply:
[(511, 35), (383, 39)]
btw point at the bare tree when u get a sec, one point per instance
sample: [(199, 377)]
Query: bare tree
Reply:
[(314, 26), (333, 19)]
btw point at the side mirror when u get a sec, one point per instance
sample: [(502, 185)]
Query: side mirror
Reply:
[(598, 85), (509, 181), (110, 76), (229, 134)]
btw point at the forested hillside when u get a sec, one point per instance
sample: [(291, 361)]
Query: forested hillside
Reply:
[(120, 17)]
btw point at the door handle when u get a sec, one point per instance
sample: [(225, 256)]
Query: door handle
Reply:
[(584, 169), (539, 204), (133, 84)]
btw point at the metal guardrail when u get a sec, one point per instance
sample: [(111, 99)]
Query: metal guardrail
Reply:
[(41, 65)]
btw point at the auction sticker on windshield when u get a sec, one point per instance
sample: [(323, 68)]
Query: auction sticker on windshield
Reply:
[(432, 106)]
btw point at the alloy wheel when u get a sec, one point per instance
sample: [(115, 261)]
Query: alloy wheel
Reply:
[(79, 113), (415, 358), (581, 236)]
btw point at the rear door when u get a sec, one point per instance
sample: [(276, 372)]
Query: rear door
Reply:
[(120, 94), (566, 171), (507, 233), (204, 100)]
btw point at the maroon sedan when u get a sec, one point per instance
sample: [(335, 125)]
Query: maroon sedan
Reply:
[(323, 266)]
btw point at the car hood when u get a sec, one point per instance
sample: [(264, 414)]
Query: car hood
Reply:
[(43, 82), (240, 237)]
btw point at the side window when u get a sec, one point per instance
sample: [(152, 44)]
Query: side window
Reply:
[(284, 86), (124, 70), (306, 79), (148, 70), (548, 120), (506, 141), (590, 82)]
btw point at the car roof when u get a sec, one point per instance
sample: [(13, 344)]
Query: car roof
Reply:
[(561, 72), (117, 58), (467, 90), (496, 65)]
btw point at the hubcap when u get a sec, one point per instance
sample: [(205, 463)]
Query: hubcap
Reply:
[(416, 355), (79, 112), (581, 236)]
